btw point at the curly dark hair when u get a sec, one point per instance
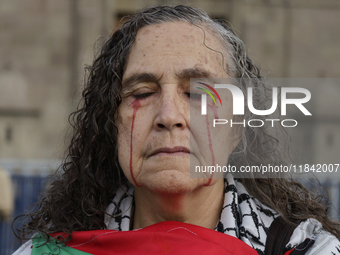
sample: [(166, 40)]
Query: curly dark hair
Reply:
[(77, 199)]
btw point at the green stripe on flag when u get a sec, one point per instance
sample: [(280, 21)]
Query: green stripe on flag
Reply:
[(53, 246)]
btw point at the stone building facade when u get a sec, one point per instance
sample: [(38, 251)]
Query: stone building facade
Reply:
[(45, 44)]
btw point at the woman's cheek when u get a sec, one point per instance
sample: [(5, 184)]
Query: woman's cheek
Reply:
[(124, 121), (129, 142), (123, 150)]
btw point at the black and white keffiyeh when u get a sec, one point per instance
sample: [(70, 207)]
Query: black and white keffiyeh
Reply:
[(242, 216)]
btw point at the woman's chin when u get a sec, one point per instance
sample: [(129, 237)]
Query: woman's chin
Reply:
[(172, 182)]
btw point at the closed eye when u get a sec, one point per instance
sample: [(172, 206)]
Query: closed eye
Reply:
[(142, 96), (194, 96)]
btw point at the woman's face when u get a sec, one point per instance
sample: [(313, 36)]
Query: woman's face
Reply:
[(156, 144)]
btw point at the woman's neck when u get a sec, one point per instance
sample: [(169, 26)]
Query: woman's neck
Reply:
[(201, 206)]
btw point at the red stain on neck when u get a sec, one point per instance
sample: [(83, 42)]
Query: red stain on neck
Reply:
[(135, 106), (211, 149)]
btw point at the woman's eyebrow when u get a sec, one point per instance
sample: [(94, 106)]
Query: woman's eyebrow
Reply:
[(138, 78), (195, 73)]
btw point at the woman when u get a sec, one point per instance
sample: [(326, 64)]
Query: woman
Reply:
[(128, 165)]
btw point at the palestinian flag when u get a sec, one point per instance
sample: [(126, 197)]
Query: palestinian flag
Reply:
[(167, 237)]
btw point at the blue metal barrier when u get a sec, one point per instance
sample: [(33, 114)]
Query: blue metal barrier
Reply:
[(27, 190)]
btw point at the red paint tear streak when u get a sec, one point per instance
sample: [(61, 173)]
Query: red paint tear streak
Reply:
[(214, 109), (211, 149), (135, 105)]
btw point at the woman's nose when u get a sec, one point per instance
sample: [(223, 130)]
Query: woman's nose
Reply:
[(171, 112)]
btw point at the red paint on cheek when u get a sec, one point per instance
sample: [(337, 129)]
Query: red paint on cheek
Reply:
[(211, 149), (135, 106)]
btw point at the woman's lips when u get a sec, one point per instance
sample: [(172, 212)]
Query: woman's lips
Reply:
[(178, 150)]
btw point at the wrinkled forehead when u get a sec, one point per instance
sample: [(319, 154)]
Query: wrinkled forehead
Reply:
[(179, 43), (177, 32)]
